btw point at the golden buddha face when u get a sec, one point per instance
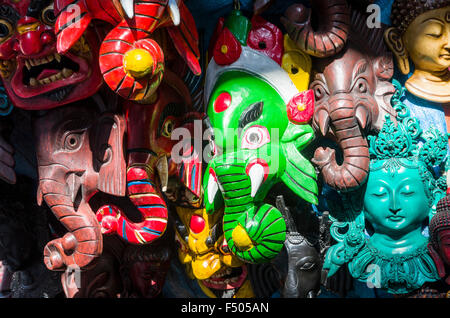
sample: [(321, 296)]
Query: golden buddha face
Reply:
[(427, 40), (426, 43)]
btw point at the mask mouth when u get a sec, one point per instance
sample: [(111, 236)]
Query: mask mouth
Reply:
[(39, 72), (227, 281), (395, 218), (50, 74)]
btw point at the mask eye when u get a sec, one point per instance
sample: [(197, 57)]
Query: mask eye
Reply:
[(191, 198), (255, 137), (407, 191), (361, 86), (221, 246), (379, 194), (319, 91), (225, 249), (434, 35), (168, 128), (308, 266), (6, 30), (48, 15), (73, 140)]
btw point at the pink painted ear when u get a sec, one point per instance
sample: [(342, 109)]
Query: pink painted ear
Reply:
[(190, 169), (437, 260), (108, 150), (190, 172), (70, 24)]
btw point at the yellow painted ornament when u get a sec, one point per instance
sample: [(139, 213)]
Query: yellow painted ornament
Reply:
[(138, 63), (297, 64), (241, 238)]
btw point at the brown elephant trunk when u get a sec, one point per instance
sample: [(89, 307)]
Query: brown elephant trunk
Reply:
[(332, 32), (355, 166), (83, 243)]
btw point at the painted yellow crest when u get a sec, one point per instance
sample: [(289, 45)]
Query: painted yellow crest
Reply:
[(297, 64)]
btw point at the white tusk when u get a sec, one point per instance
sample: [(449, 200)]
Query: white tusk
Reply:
[(174, 12), (256, 175), (163, 171), (128, 7), (212, 189)]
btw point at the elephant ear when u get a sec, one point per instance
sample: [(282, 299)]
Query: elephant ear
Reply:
[(300, 175), (109, 157), (72, 20)]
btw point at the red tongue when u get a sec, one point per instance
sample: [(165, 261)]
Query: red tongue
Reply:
[(46, 73)]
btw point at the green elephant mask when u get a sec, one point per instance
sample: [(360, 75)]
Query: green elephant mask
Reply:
[(256, 146)]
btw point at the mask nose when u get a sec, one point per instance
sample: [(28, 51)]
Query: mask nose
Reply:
[(394, 211), (31, 37), (394, 205)]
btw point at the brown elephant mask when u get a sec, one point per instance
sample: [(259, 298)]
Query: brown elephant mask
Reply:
[(79, 153), (353, 92)]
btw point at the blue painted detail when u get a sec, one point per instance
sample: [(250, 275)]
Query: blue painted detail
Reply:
[(124, 234), (193, 177), (386, 7), (153, 206), (182, 169), (151, 231), (130, 183), (6, 106)]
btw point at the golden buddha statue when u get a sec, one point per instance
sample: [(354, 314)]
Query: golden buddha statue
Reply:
[(420, 33)]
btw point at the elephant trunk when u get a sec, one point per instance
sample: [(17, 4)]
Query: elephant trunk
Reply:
[(354, 169), (143, 193), (83, 243), (331, 35), (254, 232), (291, 288)]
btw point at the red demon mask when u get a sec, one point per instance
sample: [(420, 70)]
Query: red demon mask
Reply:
[(35, 76)]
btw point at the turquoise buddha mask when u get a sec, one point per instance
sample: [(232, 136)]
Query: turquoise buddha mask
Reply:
[(396, 204), (383, 241)]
